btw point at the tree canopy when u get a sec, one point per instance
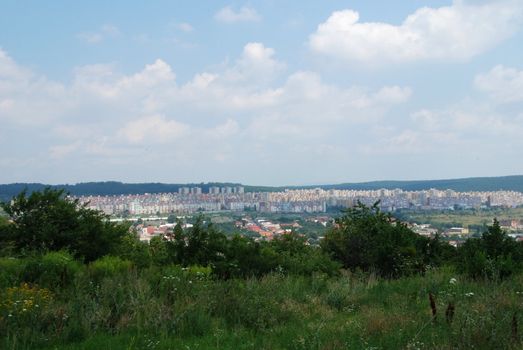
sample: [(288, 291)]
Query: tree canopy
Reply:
[(48, 221), (368, 239)]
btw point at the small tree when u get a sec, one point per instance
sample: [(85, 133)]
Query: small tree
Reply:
[(494, 255), (368, 239), (48, 221)]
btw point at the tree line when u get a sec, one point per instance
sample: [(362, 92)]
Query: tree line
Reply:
[(363, 239)]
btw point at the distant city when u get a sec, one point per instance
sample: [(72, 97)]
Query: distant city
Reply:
[(234, 198)]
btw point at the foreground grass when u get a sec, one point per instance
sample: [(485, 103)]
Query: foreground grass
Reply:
[(160, 309)]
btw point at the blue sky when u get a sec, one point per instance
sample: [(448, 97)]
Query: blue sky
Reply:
[(260, 92)]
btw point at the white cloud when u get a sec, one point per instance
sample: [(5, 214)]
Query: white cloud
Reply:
[(107, 31), (185, 27), (502, 83), (256, 65), (61, 151), (153, 129), (26, 97), (451, 33), (244, 14), (250, 106)]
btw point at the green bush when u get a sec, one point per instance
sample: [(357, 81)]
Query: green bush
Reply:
[(52, 270), (48, 221), (491, 256), (108, 266), (132, 249), (366, 238), (11, 271)]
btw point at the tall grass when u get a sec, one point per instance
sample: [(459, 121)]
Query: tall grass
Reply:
[(170, 307)]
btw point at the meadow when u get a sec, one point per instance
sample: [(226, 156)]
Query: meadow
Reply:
[(119, 307)]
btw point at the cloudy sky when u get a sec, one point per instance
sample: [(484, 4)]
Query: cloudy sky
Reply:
[(260, 92)]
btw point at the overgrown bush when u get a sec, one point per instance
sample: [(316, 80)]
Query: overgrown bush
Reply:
[(52, 270), (493, 256), (48, 221), (11, 271), (108, 266), (368, 239)]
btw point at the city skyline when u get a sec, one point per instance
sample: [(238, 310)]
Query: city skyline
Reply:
[(260, 92), (235, 199)]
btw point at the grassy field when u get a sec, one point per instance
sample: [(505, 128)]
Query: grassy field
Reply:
[(463, 218), (159, 309)]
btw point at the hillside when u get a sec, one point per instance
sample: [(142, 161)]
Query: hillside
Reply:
[(509, 183)]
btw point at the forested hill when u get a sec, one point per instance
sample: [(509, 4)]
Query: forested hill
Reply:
[(507, 183), (108, 188), (510, 183)]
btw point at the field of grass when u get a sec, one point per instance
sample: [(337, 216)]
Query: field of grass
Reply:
[(169, 308), (463, 218)]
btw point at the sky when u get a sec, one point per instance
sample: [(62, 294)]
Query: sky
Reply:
[(260, 92)]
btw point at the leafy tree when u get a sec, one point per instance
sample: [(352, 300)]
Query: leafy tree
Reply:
[(245, 258), (368, 239), (48, 221), (171, 219), (295, 256), (159, 251), (201, 244), (176, 243), (494, 255), (434, 251), (135, 251)]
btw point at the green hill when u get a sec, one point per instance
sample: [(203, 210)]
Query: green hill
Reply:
[(508, 183)]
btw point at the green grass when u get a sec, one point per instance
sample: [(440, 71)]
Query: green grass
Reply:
[(155, 309), (463, 218)]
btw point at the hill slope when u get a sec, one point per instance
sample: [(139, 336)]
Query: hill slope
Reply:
[(508, 183)]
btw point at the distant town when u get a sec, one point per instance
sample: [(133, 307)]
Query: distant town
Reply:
[(190, 200)]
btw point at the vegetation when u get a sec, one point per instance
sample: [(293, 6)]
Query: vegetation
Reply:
[(373, 284), (476, 220), (368, 239), (494, 256), (508, 183), (46, 221)]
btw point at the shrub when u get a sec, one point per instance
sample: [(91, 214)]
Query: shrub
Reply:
[(52, 270), (490, 256), (108, 266), (368, 239), (48, 221), (134, 250), (11, 271)]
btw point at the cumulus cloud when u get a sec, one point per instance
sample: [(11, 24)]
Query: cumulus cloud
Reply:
[(153, 129), (256, 65), (244, 14), (450, 33), (249, 106), (449, 133), (503, 84), (26, 97)]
